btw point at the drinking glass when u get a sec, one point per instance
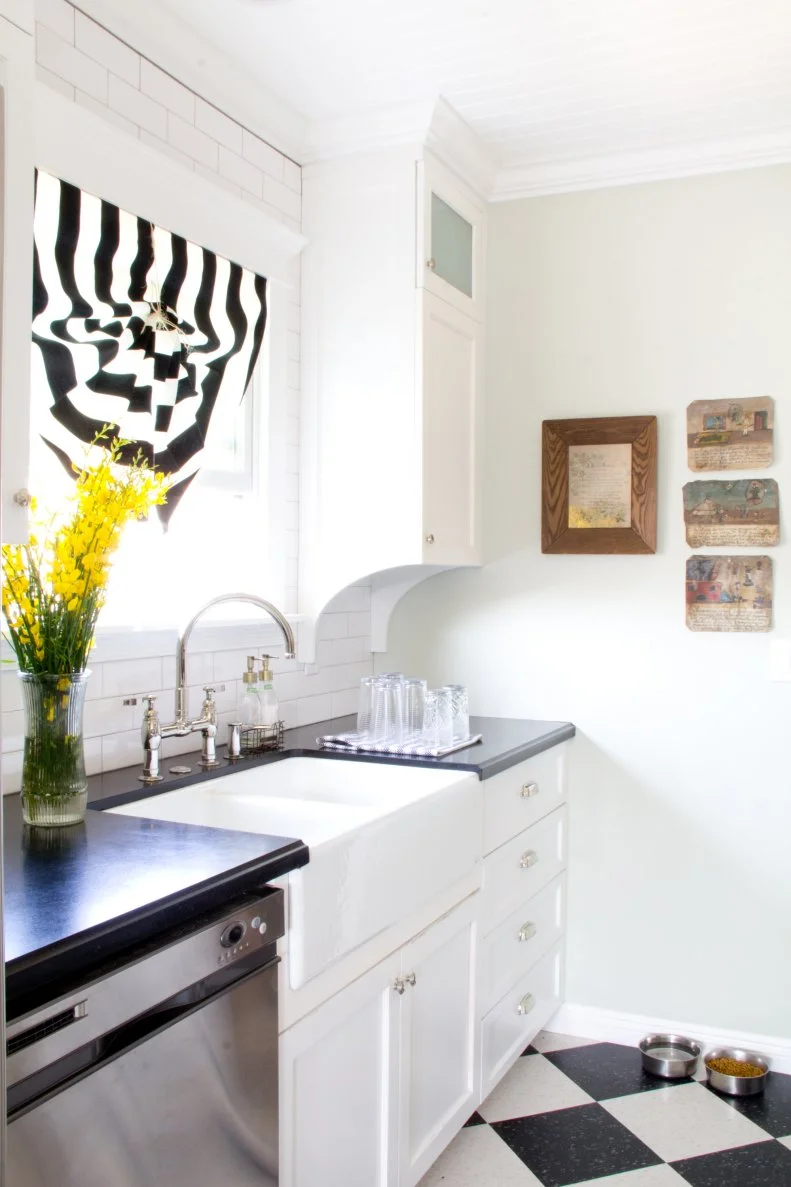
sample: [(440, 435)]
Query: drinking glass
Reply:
[(414, 706), (438, 719), (365, 708), (460, 711), (387, 718)]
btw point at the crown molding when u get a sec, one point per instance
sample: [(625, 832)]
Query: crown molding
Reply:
[(714, 156), (149, 28), (433, 124)]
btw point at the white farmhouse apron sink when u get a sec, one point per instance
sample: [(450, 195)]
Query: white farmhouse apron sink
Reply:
[(384, 839)]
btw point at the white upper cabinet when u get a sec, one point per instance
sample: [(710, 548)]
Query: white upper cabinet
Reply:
[(16, 244), (392, 354), (450, 239)]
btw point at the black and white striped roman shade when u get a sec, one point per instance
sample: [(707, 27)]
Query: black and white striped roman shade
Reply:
[(139, 329)]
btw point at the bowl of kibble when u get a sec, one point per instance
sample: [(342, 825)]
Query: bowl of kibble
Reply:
[(736, 1072)]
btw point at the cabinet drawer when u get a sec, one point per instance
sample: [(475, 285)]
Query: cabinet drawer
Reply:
[(518, 870), (511, 950), (518, 1016), (520, 796)]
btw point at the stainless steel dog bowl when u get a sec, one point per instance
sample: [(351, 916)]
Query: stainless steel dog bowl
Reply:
[(737, 1085), (671, 1056)]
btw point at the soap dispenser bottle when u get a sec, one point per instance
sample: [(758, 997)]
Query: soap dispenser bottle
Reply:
[(269, 707), (250, 706)]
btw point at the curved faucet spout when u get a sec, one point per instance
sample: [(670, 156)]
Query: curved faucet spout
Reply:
[(181, 650)]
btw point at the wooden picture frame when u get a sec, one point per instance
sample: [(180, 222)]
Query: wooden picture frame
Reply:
[(619, 485)]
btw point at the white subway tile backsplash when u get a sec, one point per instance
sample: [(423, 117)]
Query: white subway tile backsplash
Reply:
[(310, 709), (333, 626), (11, 768), (121, 750), (190, 140), (214, 177), (13, 731), (110, 715), (292, 374), (57, 84), (360, 623), (58, 16), (292, 175), (167, 91), (282, 197), (350, 651), (130, 676), (173, 154), (344, 702), (137, 107), (261, 154), (355, 598), (113, 117), (70, 64), (241, 172), (217, 125), (10, 691), (103, 47)]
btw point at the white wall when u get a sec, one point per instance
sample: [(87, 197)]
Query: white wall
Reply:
[(86, 65), (635, 301)]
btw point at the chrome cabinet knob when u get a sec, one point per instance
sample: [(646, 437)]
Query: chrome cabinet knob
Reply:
[(528, 790), (526, 932), (399, 985), (526, 1004), (411, 979), (431, 264), (23, 498), (430, 538), (528, 859)]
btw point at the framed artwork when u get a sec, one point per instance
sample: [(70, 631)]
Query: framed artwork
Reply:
[(598, 485), (729, 593), (730, 434)]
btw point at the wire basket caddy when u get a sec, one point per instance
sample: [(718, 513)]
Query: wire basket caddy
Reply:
[(245, 740)]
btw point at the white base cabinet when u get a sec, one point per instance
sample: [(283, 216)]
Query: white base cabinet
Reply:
[(377, 1080)]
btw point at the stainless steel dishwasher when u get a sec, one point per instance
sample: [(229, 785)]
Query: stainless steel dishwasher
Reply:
[(162, 1071)]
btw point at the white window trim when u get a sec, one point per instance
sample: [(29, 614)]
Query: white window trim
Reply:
[(80, 147)]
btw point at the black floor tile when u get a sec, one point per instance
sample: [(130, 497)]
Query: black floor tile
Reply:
[(771, 1110), (574, 1145), (607, 1070), (475, 1119), (530, 1050), (767, 1164)]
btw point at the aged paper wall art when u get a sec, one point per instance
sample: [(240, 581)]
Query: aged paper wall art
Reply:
[(729, 593), (600, 486), (744, 512), (730, 434)]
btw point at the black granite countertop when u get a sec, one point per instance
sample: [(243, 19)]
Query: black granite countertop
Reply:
[(506, 742), (76, 898)]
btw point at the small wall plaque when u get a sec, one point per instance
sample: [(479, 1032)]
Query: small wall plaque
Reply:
[(729, 593), (730, 434), (744, 512)]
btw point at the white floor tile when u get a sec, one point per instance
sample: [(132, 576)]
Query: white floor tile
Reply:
[(545, 1041), (477, 1157), (683, 1122), (533, 1085), (651, 1176), (785, 1142)]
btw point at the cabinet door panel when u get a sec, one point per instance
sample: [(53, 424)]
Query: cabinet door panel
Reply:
[(339, 1098), (439, 1039), (451, 434), (450, 239)]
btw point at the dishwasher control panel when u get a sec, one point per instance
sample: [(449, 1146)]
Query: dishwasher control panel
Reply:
[(249, 931)]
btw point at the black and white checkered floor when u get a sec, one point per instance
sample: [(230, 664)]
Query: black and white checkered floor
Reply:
[(573, 1112)]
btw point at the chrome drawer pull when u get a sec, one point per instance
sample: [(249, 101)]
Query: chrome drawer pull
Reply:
[(410, 979), (399, 985), (528, 859), (528, 790), (526, 1004), (526, 932)]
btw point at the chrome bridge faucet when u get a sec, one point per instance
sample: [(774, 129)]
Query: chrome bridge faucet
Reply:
[(153, 731)]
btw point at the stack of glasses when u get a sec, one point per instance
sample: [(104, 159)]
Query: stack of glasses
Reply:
[(396, 711)]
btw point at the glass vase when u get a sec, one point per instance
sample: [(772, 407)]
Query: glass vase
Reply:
[(54, 785)]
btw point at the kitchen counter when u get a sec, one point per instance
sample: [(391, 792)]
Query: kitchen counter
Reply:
[(506, 742), (75, 898)]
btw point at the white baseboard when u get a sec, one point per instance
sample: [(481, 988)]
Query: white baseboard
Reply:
[(610, 1026)]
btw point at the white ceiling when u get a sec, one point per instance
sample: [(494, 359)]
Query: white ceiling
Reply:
[(556, 87)]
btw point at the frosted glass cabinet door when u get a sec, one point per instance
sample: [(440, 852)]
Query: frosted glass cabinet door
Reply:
[(450, 246)]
